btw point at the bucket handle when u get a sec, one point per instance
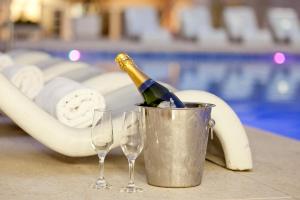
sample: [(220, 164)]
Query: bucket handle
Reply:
[(211, 125)]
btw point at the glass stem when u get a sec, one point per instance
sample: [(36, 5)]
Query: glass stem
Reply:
[(101, 164), (131, 172)]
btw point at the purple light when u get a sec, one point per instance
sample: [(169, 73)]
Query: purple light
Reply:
[(74, 55), (279, 58)]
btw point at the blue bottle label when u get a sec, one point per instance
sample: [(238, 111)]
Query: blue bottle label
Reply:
[(146, 85)]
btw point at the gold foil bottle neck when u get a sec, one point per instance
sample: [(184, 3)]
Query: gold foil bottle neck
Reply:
[(128, 65), (123, 60)]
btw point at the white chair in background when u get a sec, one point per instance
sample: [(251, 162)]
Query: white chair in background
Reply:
[(196, 23), (241, 24), (87, 27), (143, 23), (285, 25)]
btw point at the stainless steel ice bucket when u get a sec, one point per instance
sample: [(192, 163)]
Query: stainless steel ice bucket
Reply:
[(175, 144)]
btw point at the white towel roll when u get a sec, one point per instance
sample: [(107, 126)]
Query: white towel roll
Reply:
[(70, 102), (27, 78), (5, 61)]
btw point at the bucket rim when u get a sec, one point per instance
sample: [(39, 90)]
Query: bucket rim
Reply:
[(196, 106)]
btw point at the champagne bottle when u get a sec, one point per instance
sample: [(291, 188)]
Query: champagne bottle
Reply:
[(152, 92)]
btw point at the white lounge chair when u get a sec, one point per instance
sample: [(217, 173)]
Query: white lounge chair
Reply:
[(143, 23), (285, 25), (87, 27), (196, 23), (241, 25), (76, 142)]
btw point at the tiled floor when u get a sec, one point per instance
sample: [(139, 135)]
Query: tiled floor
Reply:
[(28, 170)]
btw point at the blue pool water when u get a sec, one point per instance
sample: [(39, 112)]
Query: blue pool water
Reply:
[(263, 94)]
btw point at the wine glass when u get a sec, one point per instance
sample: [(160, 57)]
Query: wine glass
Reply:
[(132, 144), (102, 139)]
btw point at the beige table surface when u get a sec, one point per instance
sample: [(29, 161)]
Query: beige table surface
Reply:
[(28, 170)]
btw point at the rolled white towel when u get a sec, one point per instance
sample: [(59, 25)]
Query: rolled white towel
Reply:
[(5, 61), (70, 102), (27, 78)]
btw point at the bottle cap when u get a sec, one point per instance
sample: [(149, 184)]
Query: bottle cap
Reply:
[(121, 58)]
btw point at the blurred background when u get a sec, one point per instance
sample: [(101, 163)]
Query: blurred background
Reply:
[(245, 51), (65, 19)]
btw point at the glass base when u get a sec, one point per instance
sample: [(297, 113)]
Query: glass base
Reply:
[(101, 184), (131, 189)]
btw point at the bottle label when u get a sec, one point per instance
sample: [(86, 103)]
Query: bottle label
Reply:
[(146, 85)]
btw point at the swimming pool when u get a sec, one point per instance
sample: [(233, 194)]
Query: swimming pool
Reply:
[(263, 89)]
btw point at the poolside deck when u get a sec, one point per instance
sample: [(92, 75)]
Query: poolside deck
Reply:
[(28, 170)]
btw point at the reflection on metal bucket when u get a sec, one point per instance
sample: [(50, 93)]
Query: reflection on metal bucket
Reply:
[(175, 146)]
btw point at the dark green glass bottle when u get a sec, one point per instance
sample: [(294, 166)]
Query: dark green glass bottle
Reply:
[(152, 92)]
